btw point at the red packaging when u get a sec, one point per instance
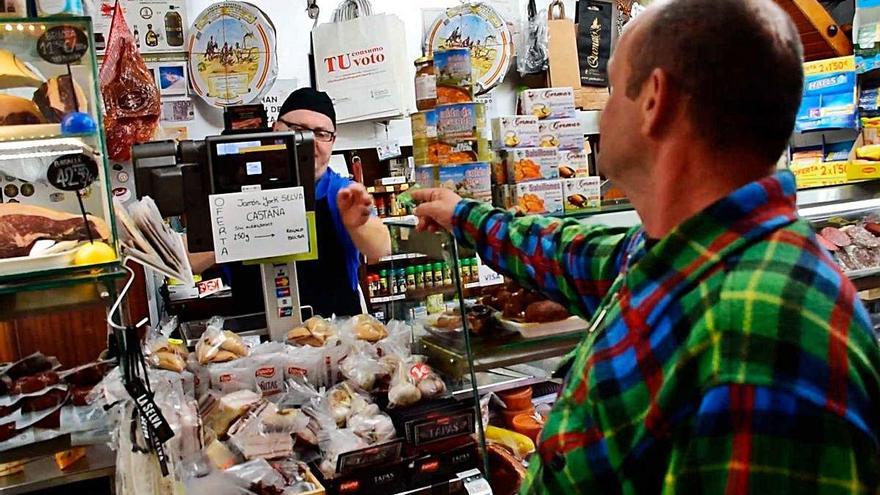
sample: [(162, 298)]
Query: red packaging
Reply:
[(131, 97)]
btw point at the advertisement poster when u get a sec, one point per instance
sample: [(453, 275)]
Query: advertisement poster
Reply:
[(830, 100)]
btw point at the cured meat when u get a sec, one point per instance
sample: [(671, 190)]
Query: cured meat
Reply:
[(59, 96), (835, 236), (861, 258), (861, 237), (131, 98), (19, 111), (825, 243), (23, 225), (873, 227)]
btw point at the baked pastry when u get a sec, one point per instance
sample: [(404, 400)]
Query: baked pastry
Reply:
[(369, 329), (314, 332), (19, 111), (545, 311), (233, 343), (169, 361)]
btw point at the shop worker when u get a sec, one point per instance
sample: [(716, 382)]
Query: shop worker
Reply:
[(344, 224), (726, 352)]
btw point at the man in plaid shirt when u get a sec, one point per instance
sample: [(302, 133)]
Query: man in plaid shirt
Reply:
[(726, 351)]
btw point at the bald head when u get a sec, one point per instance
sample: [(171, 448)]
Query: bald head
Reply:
[(738, 62)]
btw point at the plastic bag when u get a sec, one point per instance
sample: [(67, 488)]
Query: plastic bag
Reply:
[(131, 97), (532, 55), (362, 367), (372, 425), (403, 391), (219, 346), (163, 352), (269, 363), (259, 475), (344, 401), (335, 442), (265, 431), (231, 377), (429, 383), (315, 332), (363, 327)]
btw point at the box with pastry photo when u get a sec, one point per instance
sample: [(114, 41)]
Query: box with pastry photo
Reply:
[(565, 134), (539, 197), (518, 131), (529, 164), (581, 194), (548, 103)]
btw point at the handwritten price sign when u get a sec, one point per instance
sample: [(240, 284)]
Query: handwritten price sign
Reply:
[(72, 172)]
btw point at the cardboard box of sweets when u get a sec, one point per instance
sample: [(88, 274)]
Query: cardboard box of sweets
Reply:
[(565, 134), (573, 163), (539, 197), (549, 103), (529, 164), (581, 194), (519, 131)]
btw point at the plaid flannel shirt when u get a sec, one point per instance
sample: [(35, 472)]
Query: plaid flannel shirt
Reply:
[(732, 356)]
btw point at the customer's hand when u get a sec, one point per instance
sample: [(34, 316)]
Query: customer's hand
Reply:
[(436, 208), (355, 205)]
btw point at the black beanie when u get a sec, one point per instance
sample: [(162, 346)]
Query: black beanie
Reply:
[(309, 99)]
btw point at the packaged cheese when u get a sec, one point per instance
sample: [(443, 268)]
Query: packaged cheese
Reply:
[(548, 103), (565, 134), (583, 193), (539, 197), (529, 164), (518, 131)]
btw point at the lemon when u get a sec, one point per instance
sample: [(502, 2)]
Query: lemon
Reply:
[(94, 253)]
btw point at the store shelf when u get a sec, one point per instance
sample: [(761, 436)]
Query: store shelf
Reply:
[(397, 188), (65, 277), (449, 355), (400, 257), (500, 379), (387, 299), (42, 473)]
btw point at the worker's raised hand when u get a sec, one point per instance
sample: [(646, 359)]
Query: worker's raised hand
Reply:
[(355, 205), (436, 208)]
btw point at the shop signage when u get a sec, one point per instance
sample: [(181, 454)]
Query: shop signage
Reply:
[(259, 224), (72, 172), (63, 45)]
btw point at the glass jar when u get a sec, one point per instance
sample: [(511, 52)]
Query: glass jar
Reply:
[(426, 83), (420, 277), (438, 274), (384, 285)]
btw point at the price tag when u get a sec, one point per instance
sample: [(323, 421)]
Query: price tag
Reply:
[(388, 150), (72, 172), (488, 276), (209, 287), (419, 371), (63, 45)]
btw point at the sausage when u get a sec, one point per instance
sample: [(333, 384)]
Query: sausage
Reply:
[(873, 227), (861, 237), (545, 311), (825, 243), (836, 237)]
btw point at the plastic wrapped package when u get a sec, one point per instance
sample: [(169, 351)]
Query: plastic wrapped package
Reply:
[(269, 362), (532, 55), (227, 378), (219, 346), (306, 362), (335, 442), (315, 332), (362, 366), (363, 327), (372, 425), (131, 97), (259, 477), (265, 431), (163, 352), (429, 383), (344, 401), (403, 391)]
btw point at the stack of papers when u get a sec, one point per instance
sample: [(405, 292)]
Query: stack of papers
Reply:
[(148, 240)]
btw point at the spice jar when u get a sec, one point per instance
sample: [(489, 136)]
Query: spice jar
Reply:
[(426, 83)]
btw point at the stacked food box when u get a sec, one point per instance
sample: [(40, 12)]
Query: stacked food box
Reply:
[(541, 163), (450, 148)]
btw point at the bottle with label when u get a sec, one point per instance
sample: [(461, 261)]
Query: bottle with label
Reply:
[(426, 83), (447, 275), (393, 210), (429, 276), (383, 283), (379, 201), (173, 28), (151, 38), (410, 278), (137, 36), (401, 281), (420, 277), (438, 274), (463, 271)]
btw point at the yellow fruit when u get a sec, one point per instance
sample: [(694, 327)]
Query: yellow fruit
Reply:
[(94, 253)]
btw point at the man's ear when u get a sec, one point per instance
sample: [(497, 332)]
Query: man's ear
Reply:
[(657, 106)]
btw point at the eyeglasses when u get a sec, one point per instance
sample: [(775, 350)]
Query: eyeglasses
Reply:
[(320, 134)]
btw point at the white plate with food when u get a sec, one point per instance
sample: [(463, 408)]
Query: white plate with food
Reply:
[(538, 330)]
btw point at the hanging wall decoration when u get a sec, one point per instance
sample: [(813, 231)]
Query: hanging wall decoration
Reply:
[(232, 58), (480, 28)]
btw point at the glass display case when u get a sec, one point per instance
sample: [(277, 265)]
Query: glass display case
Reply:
[(56, 213)]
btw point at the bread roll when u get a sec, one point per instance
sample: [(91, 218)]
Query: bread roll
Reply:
[(19, 111)]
